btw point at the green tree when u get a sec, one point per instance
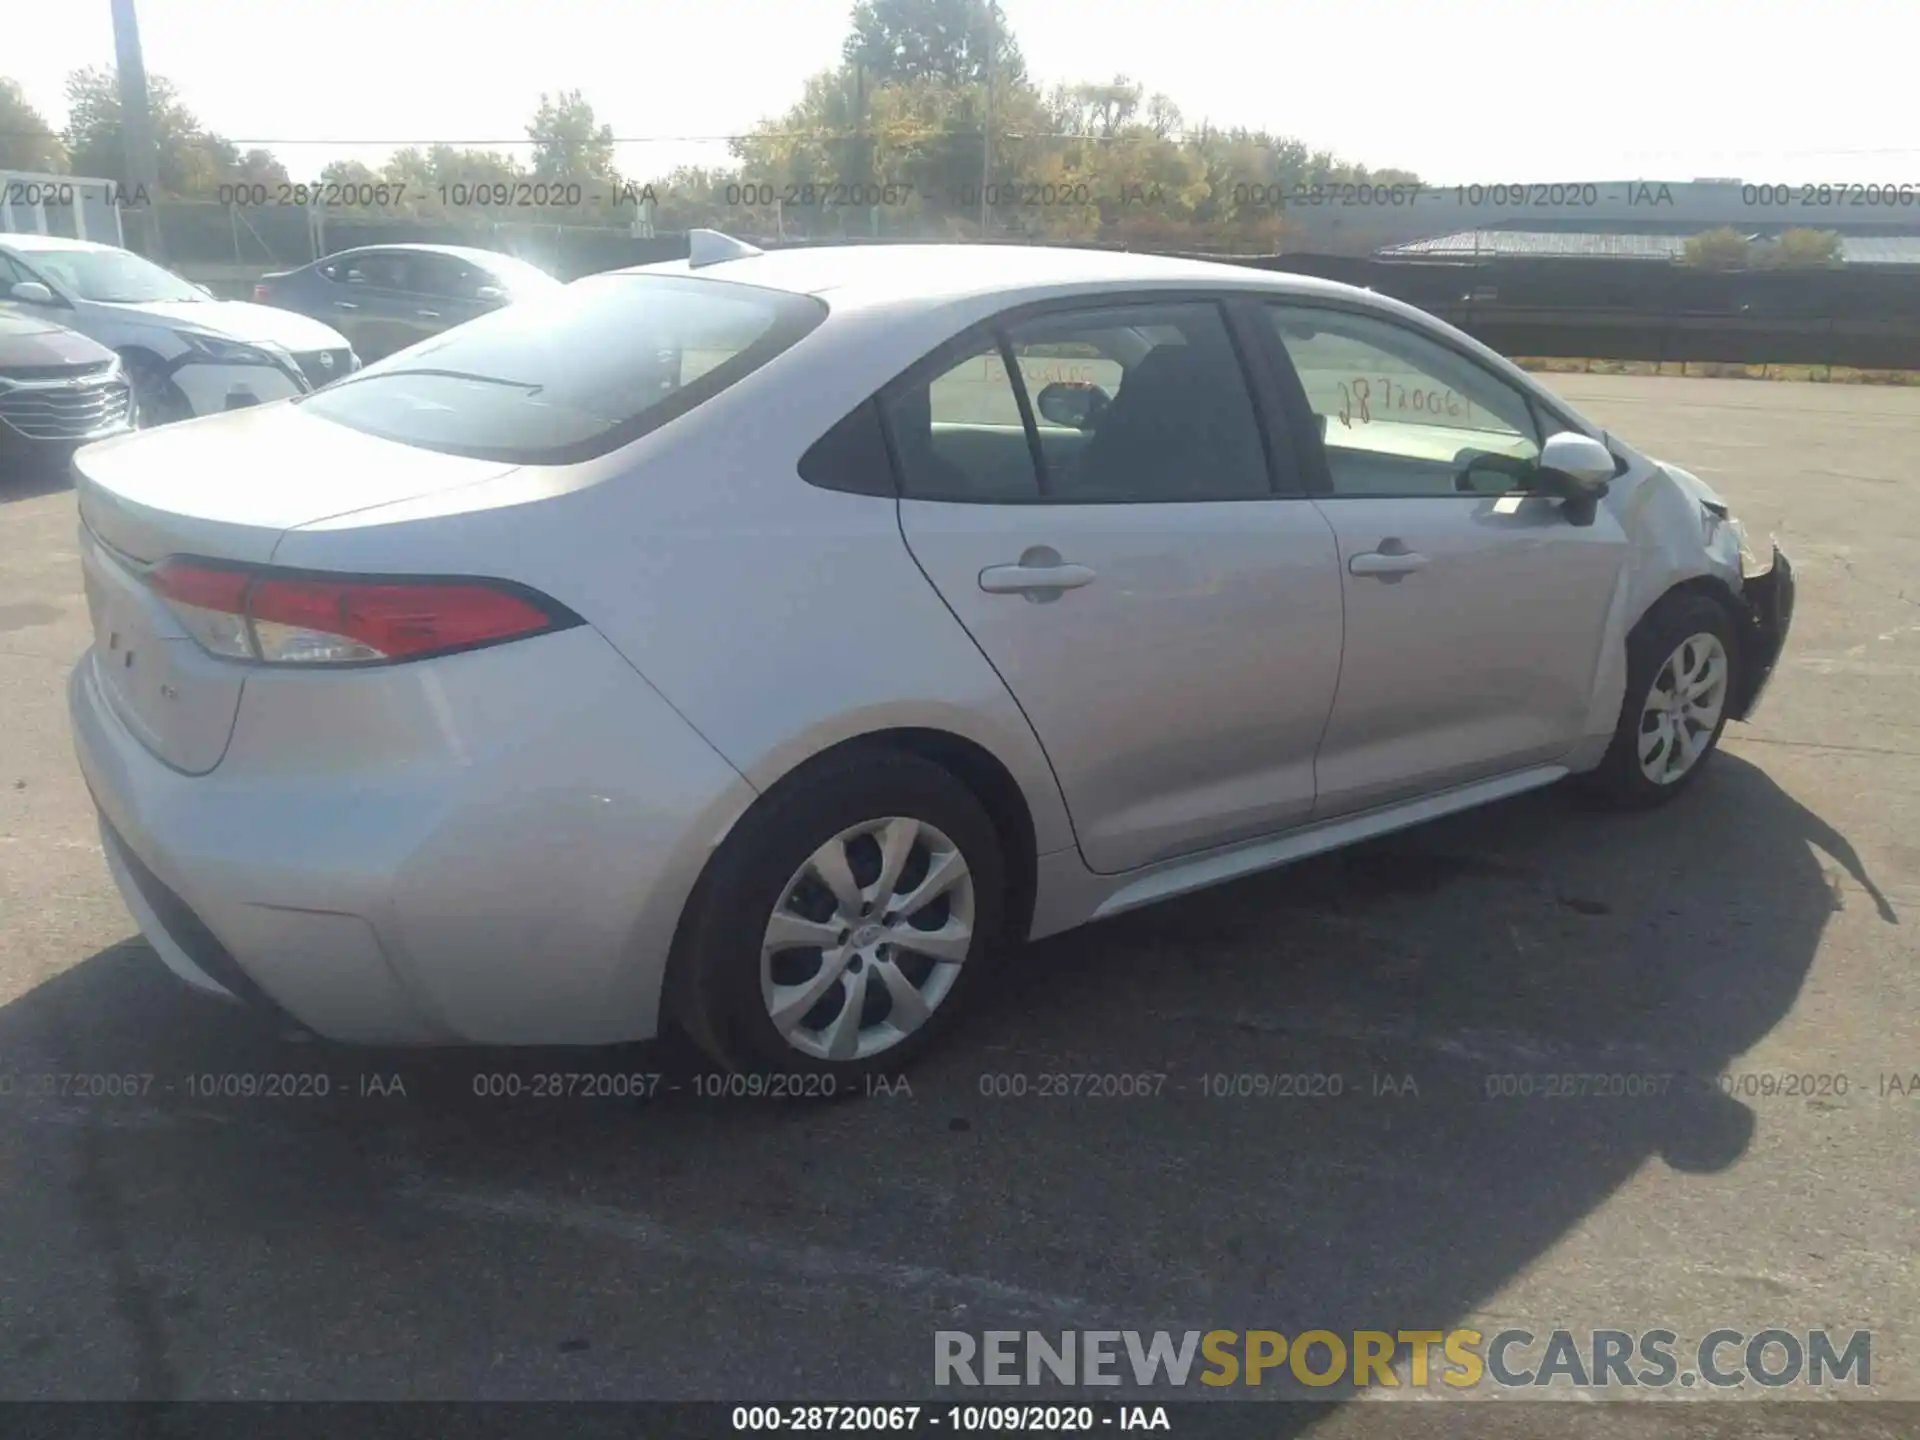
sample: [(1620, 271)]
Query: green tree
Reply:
[(568, 143), (451, 165), (27, 141), (429, 177), (1804, 250), (901, 41), (1723, 249), (260, 167), (347, 173), (693, 196), (908, 108), (190, 160)]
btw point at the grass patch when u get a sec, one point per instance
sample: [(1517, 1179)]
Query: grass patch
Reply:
[(1719, 370)]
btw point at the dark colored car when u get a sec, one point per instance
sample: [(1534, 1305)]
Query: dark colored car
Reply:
[(384, 298), (58, 391)]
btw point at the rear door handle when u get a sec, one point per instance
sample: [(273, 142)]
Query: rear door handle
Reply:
[(1385, 563), (1041, 581), (428, 314), (345, 305)]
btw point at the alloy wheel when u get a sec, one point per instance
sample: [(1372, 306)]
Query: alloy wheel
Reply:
[(1682, 711)]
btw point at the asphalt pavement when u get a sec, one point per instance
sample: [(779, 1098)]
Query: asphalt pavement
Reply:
[(403, 1237)]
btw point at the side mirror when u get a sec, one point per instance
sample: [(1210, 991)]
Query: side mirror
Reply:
[(1576, 466), (490, 295), (1076, 404), (1577, 469), (32, 292)]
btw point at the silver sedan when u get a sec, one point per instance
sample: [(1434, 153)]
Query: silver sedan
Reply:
[(767, 644)]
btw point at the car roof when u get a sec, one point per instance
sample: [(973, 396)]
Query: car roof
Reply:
[(32, 240), (457, 252), (941, 274)]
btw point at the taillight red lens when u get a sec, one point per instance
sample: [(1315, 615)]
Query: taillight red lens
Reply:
[(259, 292), (201, 586), (401, 621), (306, 619)]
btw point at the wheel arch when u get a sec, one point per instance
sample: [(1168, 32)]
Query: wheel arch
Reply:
[(1711, 585), (985, 776), (1740, 621), (136, 353)]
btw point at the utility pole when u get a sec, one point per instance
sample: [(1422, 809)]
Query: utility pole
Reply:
[(986, 128), (862, 167), (136, 116)]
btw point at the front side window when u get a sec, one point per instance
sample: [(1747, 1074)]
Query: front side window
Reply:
[(112, 277), (572, 375), (1400, 414)]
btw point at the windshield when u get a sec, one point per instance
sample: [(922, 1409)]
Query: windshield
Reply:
[(573, 373), (112, 277)]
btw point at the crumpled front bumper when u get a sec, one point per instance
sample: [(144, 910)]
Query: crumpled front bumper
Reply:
[(1769, 600)]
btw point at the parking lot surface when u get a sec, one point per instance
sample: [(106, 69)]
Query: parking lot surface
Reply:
[(401, 1236)]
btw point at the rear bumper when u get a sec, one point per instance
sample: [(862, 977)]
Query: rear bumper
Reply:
[(505, 865), (1770, 601)]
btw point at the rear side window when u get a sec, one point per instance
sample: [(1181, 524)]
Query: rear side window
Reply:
[(572, 375), (852, 456)]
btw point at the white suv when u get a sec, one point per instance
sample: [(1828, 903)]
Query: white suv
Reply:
[(186, 352)]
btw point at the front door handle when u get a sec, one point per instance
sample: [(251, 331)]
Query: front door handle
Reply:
[(428, 314), (1387, 563), (345, 305)]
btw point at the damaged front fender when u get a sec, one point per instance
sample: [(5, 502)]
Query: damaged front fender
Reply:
[(1762, 588), (1768, 599)]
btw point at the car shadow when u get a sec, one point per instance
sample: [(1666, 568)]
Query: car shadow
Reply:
[(1426, 987), (30, 481)]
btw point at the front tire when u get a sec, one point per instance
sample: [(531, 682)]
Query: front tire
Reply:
[(1681, 661), (845, 923), (157, 400)]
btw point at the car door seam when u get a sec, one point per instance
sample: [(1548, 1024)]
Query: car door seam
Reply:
[(1340, 666), (900, 520)]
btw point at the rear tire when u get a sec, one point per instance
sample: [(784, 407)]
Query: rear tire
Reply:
[(1681, 675), (801, 956)]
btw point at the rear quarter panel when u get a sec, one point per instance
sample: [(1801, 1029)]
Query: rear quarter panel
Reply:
[(778, 618)]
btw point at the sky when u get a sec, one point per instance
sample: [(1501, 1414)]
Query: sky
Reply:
[(1461, 91)]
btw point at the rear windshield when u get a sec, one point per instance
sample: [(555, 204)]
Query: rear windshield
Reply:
[(572, 374)]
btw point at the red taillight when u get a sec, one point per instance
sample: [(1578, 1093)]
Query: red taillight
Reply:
[(200, 586), (320, 620), (259, 291)]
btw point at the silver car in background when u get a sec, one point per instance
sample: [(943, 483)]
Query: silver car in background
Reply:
[(764, 643)]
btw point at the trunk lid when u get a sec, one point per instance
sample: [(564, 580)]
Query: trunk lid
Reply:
[(229, 486), (226, 487)]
